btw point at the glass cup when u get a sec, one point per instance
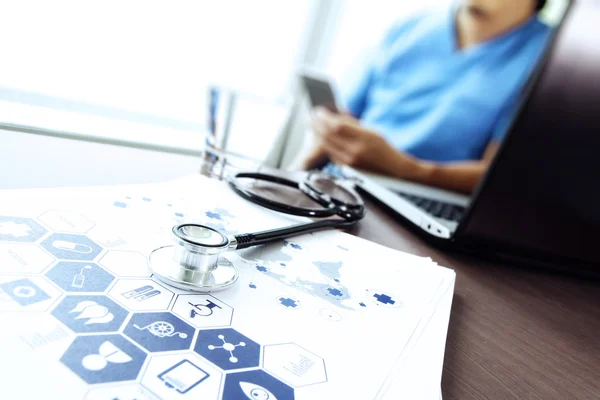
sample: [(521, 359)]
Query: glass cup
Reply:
[(217, 161)]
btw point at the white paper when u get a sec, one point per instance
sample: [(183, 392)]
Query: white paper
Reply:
[(324, 315)]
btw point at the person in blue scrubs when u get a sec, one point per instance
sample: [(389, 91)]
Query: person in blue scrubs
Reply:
[(435, 101)]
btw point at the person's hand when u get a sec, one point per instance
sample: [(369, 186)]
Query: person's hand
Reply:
[(346, 142), (317, 159), (318, 156)]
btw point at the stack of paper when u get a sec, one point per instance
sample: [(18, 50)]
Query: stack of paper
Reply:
[(325, 315)]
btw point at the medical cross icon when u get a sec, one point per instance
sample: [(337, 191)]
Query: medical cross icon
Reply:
[(287, 302), (384, 298)]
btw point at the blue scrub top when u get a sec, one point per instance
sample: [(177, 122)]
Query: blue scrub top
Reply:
[(437, 102)]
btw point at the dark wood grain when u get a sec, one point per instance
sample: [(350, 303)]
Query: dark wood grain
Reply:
[(515, 333)]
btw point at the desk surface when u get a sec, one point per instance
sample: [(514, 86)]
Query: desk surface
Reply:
[(514, 333)]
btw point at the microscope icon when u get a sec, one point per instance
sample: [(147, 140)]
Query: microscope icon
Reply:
[(203, 310)]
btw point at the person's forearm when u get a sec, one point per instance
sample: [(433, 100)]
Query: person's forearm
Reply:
[(457, 176)]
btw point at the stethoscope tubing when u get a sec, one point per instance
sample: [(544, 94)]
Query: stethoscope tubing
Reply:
[(274, 205), (330, 208), (246, 240)]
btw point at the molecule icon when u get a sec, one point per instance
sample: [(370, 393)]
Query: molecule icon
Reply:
[(227, 347)]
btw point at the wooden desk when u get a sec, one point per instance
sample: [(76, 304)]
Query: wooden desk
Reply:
[(514, 333)]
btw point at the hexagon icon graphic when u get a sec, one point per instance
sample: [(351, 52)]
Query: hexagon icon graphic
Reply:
[(90, 313), (160, 331), (23, 258), (26, 294), (186, 376), (294, 364), (108, 237), (66, 221), (104, 358), (15, 229), (255, 385), (228, 349), (43, 333), (141, 295), (203, 311), (80, 276), (123, 391), (67, 246), (125, 263)]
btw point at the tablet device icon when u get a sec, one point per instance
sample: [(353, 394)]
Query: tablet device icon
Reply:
[(183, 376)]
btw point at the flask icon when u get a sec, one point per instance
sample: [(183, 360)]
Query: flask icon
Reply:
[(79, 278)]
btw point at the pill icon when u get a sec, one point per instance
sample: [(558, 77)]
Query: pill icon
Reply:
[(70, 246)]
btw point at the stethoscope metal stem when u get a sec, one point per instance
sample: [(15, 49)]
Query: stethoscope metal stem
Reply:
[(195, 261)]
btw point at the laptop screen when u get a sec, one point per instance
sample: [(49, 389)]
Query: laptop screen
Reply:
[(541, 197)]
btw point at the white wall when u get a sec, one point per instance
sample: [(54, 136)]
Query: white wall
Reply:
[(360, 26)]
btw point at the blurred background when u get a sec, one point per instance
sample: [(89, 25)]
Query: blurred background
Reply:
[(116, 91)]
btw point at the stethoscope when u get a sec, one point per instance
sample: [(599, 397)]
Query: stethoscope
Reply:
[(194, 262)]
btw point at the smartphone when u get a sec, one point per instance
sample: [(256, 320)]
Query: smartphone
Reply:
[(320, 91)]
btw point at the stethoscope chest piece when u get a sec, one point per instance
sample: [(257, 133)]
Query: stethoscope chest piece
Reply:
[(194, 262)]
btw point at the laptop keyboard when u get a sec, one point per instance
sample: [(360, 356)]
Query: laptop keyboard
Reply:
[(450, 212)]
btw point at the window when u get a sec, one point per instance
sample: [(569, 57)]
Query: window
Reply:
[(135, 71), (360, 27)]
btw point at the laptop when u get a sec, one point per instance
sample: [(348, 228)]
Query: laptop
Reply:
[(539, 202)]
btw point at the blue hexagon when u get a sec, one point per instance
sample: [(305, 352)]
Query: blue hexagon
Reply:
[(80, 276), (228, 349), (85, 314), (159, 331), (104, 358), (67, 246), (24, 292), (255, 384), (17, 229)]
